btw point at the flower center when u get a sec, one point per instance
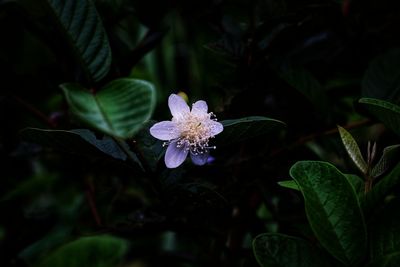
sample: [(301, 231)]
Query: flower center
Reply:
[(196, 130)]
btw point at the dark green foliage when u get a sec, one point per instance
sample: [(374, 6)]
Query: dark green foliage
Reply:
[(385, 111), (119, 109), (276, 250), (247, 128), (84, 31), (83, 182), (101, 251), (332, 210)]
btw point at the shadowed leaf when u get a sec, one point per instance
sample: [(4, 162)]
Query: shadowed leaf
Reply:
[(332, 209), (384, 111), (247, 128), (382, 78), (277, 250), (99, 251), (84, 32)]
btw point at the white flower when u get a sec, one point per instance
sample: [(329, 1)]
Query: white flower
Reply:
[(188, 131)]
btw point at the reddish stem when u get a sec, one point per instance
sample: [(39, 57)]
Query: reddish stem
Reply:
[(89, 192), (34, 111)]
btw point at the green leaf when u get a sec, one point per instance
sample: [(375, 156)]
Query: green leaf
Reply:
[(291, 184), (382, 78), (385, 231), (85, 34), (78, 141), (352, 149), (304, 82), (384, 111), (390, 155), (382, 188), (357, 183), (151, 147), (36, 183), (247, 128), (96, 251), (332, 209), (277, 250), (119, 109), (67, 215), (390, 260)]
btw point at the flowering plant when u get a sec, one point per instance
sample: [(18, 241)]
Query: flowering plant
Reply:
[(188, 131)]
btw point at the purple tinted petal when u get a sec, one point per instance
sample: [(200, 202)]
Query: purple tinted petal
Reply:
[(165, 130), (200, 107), (177, 106), (200, 158), (216, 127), (175, 156)]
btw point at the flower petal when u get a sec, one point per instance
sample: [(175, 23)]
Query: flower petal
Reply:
[(199, 107), (200, 158), (165, 130), (175, 156), (177, 106), (216, 127)]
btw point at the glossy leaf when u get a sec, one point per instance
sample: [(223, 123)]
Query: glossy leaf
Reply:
[(84, 31), (99, 251), (353, 150), (332, 209), (382, 78), (386, 112), (354, 180), (390, 155), (119, 109), (247, 128), (277, 250)]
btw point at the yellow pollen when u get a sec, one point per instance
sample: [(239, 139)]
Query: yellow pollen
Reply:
[(195, 132)]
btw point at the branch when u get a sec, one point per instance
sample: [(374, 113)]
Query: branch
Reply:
[(307, 138)]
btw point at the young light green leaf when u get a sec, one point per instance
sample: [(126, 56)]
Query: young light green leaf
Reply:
[(247, 128), (332, 209), (99, 251), (386, 112), (83, 30), (277, 250), (353, 150), (119, 109), (390, 155), (291, 184)]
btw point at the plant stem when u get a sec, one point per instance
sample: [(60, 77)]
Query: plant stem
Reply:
[(367, 185), (304, 139), (89, 192), (34, 111)]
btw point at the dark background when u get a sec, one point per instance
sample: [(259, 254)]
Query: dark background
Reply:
[(303, 62)]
